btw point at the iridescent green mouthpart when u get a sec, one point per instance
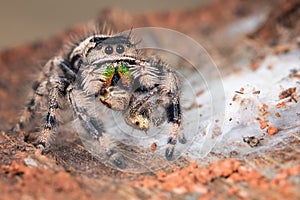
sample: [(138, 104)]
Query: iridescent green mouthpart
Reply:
[(108, 74), (124, 73), (122, 70), (109, 71)]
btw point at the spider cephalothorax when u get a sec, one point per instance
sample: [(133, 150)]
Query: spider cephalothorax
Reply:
[(112, 69)]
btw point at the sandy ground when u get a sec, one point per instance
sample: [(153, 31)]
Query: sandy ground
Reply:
[(69, 171)]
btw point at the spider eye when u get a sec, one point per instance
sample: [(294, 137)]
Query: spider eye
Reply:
[(108, 50), (120, 49), (137, 123), (98, 46)]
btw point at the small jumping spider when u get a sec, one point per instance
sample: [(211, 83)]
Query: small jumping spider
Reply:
[(119, 76)]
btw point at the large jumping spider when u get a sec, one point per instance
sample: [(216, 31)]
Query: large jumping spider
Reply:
[(119, 76)]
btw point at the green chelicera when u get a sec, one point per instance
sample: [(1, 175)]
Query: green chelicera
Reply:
[(123, 72)]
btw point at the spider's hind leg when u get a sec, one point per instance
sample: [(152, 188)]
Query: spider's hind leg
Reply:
[(56, 86), (51, 85), (41, 89)]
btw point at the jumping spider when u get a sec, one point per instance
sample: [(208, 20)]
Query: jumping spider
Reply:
[(119, 76)]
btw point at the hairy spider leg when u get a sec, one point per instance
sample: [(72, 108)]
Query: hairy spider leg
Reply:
[(155, 74)]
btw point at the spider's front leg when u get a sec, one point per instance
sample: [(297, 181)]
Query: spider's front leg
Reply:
[(94, 126), (170, 94), (159, 82), (89, 123)]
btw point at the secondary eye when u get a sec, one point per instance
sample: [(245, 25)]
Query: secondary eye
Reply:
[(98, 46), (120, 49), (108, 50)]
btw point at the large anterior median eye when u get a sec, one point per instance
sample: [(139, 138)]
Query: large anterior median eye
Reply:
[(109, 50), (120, 49)]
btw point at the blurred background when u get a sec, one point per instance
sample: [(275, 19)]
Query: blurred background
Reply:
[(25, 21)]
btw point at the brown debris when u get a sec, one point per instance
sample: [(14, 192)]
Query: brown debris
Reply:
[(32, 183), (196, 179), (252, 140), (235, 97), (153, 146), (277, 114), (287, 93), (60, 178), (282, 49), (281, 178), (272, 130), (271, 66), (294, 74), (190, 179), (291, 93), (263, 110), (263, 124), (254, 66), (281, 105), (256, 92)]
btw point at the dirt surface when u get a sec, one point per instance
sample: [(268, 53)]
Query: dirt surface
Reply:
[(70, 172)]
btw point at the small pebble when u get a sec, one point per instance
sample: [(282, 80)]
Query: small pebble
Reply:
[(30, 162)]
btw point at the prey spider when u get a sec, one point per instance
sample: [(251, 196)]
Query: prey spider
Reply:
[(113, 70)]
